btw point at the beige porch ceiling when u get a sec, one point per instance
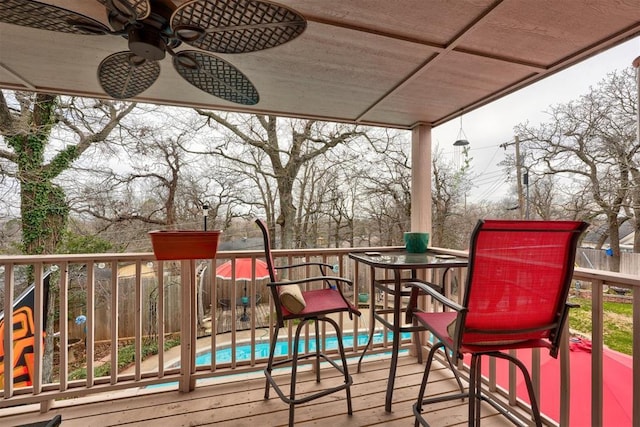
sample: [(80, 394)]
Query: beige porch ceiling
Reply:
[(377, 62)]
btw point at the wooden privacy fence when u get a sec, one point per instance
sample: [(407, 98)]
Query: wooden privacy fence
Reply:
[(598, 259), (127, 311), (128, 279)]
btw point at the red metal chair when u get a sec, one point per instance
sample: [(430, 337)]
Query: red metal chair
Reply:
[(311, 306), (516, 289)]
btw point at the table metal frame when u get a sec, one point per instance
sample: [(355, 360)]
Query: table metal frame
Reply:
[(399, 261)]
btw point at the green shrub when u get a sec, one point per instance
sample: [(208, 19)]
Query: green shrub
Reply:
[(126, 357)]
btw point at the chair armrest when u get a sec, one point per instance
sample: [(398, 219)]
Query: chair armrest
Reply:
[(321, 265), (312, 279), (418, 288)]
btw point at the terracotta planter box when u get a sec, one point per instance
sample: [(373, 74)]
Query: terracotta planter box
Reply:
[(184, 244)]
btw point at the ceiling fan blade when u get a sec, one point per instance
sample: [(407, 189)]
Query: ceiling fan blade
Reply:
[(133, 10), (215, 76), (124, 75), (231, 26), (29, 13)]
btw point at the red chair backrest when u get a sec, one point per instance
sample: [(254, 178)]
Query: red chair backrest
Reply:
[(518, 279)]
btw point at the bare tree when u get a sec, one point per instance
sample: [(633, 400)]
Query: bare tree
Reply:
[(286, 145), (593, 140), (155, 182), (386, 185)]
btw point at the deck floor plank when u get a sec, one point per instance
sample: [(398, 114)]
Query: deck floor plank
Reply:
[(240, 402)]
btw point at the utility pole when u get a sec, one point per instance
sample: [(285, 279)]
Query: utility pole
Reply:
[(522, 207), (519, 178)]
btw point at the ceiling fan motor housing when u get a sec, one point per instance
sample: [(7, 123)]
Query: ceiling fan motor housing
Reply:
[(154, 28), (147, 44)]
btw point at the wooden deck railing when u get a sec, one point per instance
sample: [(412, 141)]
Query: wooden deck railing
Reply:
[(134, 299)]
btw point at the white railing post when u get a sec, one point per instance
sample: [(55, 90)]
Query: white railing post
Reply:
[(187, 333), (115, 293), (635, 403), (138, 321), (9, 280), (38, 323), (565, 377), (597, 343), (64, 325), (91, 312), (160, 319)]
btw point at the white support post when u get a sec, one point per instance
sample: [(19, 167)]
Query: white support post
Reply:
[(420, 195), (421, 178)]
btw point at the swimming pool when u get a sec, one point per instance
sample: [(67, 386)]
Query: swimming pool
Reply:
[(243, 351)]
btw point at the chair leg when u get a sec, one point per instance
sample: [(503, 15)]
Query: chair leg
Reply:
[(317, 362), (475, 390), (343, 357), (272, 350), (418, 343), (478, 390), (294, 371), (472, 389), (475, 387), (291, 399), (454, 369), (417, 407), (535, 410)]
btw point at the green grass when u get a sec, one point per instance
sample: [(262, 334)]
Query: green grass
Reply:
[(126, 357), (618, 327)]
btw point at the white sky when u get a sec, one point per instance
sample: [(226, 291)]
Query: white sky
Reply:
[(488, 127)]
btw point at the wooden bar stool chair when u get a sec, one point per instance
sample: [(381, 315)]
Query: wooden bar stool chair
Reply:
[(308, 307), (517, 285)]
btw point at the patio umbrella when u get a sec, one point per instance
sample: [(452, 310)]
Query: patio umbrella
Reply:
[(616, 388), (243, 271)]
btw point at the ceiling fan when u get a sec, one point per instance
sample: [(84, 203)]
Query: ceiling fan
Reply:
[(156, 27)]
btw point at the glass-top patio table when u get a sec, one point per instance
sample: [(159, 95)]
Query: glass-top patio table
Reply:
[(396, 288)]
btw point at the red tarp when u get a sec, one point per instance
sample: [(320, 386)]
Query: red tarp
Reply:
[(617, 385)]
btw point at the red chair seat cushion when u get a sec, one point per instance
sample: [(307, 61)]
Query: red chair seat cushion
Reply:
[(318, 302), (438, 323)]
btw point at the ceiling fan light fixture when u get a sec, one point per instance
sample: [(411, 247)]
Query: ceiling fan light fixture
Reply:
[(188, 33)]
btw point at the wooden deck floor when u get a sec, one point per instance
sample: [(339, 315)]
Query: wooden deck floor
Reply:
[(240, 402)]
